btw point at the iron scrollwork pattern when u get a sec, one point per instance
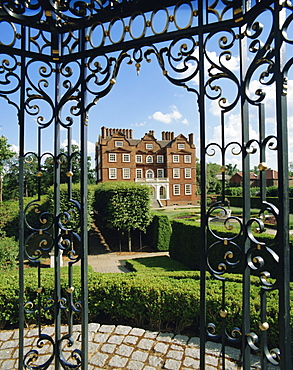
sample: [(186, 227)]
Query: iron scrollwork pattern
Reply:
[(58, 58)]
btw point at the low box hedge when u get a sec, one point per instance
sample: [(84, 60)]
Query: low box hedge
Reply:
[(161, 301)]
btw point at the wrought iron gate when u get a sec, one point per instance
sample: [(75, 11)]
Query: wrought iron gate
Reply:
[(62, 56)]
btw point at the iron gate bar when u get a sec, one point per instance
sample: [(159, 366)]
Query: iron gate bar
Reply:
[(49, 17)]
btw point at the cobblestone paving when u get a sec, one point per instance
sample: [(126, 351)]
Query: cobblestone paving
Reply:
[(123, 347)]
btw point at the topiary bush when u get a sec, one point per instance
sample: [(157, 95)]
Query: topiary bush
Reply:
[(159, 232)]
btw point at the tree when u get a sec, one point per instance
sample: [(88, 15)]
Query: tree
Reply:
[(213, 184), (124, 206), (46, 169), (231, 170), (5, 154)]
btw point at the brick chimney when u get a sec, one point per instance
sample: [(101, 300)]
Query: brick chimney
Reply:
[(190, 139)]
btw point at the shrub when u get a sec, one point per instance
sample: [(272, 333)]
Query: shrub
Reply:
[(166, 300), (159, 232), (8, 253), (272, 191), (123, 205), (185, 248), (71, 206)]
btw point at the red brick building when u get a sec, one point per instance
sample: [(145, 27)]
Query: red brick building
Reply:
[(167, 165)]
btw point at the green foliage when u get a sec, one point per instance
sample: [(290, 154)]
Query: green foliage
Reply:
[(185, 248), (160, 300), (234, 191), (8, 253), (212, 182), (70, 206), (272, 191), (123, 205), (159, 232)]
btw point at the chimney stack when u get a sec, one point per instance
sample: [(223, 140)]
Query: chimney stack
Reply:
[(130, 134), (172, 136), (103, 132), (190, 139)]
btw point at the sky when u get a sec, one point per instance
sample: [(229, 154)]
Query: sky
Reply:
[(148, 101)]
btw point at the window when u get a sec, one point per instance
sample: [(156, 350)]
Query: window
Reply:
[(138, 158), (160, 173), (160, 159), (176, 189), (187, 172), (187, 158), (181, 146), (118, 143), (126, 173), (188, 189), (112, 173), (112, 157), (139, 173), (175, 158), (150, 174), (176, 173), (149, 146), (149, 159), (126, 157)]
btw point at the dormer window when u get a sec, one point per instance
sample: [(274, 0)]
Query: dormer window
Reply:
[(149, 146), (118, 143), (181, 146)]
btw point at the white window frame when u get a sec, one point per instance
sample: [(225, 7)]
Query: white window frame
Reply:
[(125, 155), (176, 158), (160, 171), (160, 158), (176, 173), (176, 192), (151, 159), (126, 173), (187, 158), (149, 146), (114, 174), (139, 170), (187, 173), (149, 172), (138, 158), (181, 146), (114, 157), (118, 144), (188, 186)]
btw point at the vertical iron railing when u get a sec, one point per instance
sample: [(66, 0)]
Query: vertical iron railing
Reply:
[(44, 32)]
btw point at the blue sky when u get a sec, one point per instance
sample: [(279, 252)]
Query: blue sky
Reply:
[(150, 102)]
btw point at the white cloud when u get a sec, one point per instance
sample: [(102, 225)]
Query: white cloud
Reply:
[(168, 117), (232, 63), (185, 121), (91, 147), (140, 124)]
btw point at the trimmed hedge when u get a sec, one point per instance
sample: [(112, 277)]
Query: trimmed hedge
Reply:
[(169, 300), (185, 248), (123, 205), (159, 232)]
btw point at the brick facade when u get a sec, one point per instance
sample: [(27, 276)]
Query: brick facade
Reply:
[(168, 166)]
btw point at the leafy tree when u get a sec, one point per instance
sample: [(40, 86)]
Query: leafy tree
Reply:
[(124, 206), (213, 184), (231, 170), (31, 170), (5, 154), (290, 169)]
